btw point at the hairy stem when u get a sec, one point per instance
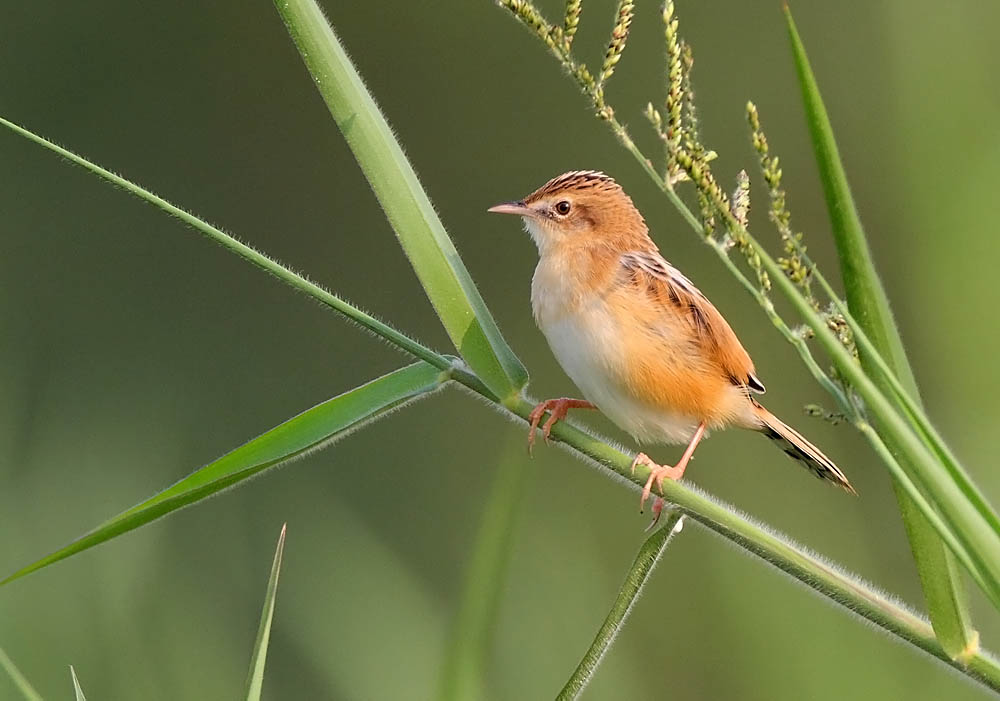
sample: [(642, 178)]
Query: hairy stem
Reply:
[(244, 251), (772, 547), (649, 554)]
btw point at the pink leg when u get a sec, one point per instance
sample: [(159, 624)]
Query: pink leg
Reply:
[(557, 408), (660, 472)]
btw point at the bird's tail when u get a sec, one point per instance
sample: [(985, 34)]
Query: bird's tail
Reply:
[(798, 448)]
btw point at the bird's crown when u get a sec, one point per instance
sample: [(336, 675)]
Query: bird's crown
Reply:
[(578, 181)]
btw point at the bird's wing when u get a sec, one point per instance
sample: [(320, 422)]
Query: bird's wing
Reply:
[(667, 287)]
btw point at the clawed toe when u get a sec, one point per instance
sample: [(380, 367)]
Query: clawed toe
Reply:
[(534, 418), (557, 409), (658, 506), (657, 474)]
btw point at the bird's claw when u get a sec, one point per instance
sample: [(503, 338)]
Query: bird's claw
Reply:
[(557, 409), (657, 473), (658, 506)]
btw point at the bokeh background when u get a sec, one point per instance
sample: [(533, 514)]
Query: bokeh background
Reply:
[(133, 351)]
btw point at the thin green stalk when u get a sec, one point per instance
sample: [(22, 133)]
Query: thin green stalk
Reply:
[(776, 549), (797, 341), (918, 501), (438, 266), (77, 689), (18, 679), (934, 454), (289, 277), (255, 677), (972, 528), (943, 588), (649, 554), (913, 410), (484, 577)]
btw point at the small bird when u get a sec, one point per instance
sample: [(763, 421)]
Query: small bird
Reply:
[(638, 339)]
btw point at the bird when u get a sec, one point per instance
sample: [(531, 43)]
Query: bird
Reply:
[(638, 339)]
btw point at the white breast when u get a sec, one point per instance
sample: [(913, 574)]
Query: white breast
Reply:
[(583, 336)]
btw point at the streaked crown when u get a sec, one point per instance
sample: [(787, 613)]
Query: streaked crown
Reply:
[(577, 181)]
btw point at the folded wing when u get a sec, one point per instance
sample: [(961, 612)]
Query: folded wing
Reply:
[(667, 287)]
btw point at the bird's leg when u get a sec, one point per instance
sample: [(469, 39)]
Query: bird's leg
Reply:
[(557, 409), (658, 473)]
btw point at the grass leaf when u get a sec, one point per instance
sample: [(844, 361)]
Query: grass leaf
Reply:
[(969, 523), (649, 554), (255, 680), (262, 261), (483, 585), (76, 685), (944, 590), (407, 207), (311, 430), (19, 680)]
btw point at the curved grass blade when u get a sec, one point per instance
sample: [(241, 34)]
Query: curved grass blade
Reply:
[(649, 554), (19, 680), (311, 430), (922, 467), (421, 233), (262, 261), (255, 680), (76, 685), (484, 578), (944, 590)]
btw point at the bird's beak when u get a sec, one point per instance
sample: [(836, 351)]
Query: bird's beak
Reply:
[(518, 208)]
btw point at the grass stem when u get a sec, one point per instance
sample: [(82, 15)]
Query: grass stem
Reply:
[(649, 554)]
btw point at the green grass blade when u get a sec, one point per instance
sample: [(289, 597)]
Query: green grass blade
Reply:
[(77, 690), (649, 554), (255, 679), (270, 265), (19, 680), (484, 578), (309, 431), (965, 520), (944, 590), (913, 409), (421, 233)]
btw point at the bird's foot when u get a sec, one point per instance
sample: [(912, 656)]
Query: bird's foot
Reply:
[(657, 473), (557, 409)]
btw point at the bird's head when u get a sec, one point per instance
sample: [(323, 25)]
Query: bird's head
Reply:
[(581, 208)]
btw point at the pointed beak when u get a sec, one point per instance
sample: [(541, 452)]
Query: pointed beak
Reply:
[(518, 208)]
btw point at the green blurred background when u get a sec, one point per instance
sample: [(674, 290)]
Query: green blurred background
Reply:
[(132, 350)]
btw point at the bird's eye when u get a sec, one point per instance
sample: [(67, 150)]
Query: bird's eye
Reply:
[(563, 207)]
